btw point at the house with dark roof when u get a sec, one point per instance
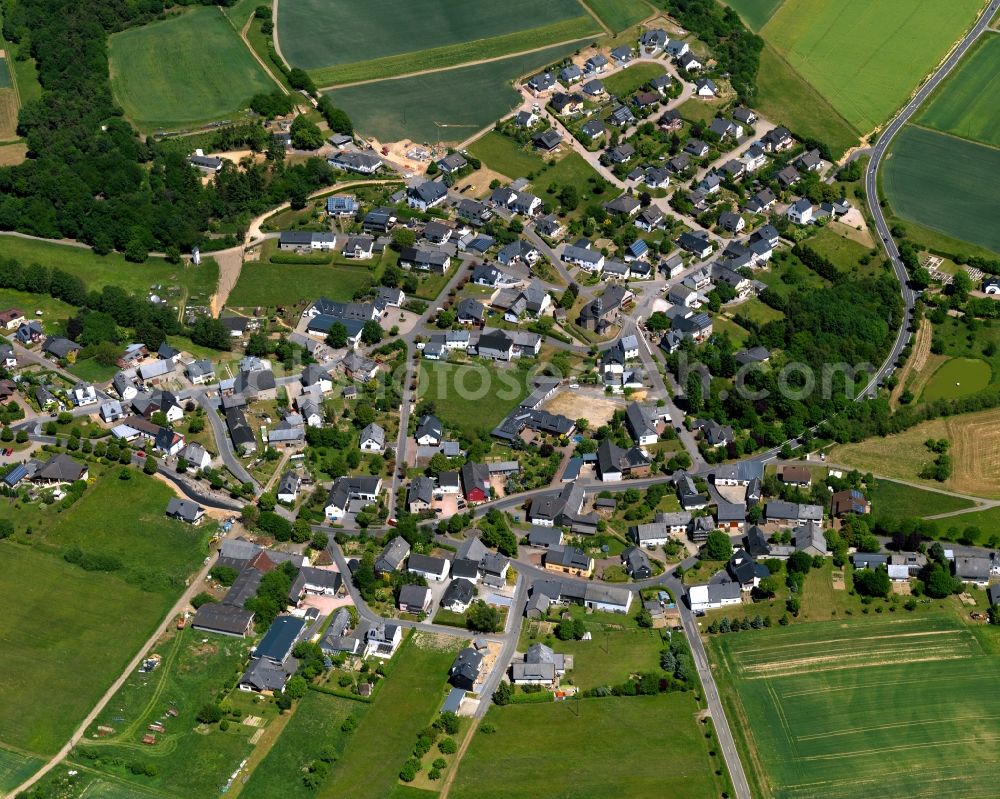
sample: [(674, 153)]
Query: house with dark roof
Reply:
[(414, 598), (428, 194), (464, 672), (459, 594), (430, 568), (849, 501), (637, 564), (569, 560), (184, 510), (392, 556)]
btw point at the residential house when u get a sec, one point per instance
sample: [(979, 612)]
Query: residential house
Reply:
[(184, 510), (847, 502), (713, 595), (637, 564), (428, 194), (414, 598), (464, 671), (372, 438), (569, 560), (361, 163), (348, 489)]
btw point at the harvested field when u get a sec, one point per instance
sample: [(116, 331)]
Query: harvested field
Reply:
[(8, 114)]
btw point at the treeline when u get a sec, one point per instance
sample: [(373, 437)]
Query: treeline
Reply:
[(736, 49), (88, 175)]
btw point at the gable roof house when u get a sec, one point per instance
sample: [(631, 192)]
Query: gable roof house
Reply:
[(464, 672), (414, 598), (392, 556), (184, 510), (239, 431), (426, 195)]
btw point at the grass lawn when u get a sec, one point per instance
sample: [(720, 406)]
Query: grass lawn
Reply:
[(572, 170), (92, 372), (975, 446), (467, 98), (213, 73), (315, 725), (619, 14), (933, 180), (190, 762), (628, 80), (827, 701), (97, 271), (262, 283), (786, 99), (845, 253), (755, 13), (59, 657), (611, 657), (504, 155), (965, 105), (451, 55), (54, 312), (452, 387), (896, 500), (956, 378), (864, 57), (407, 702), (736, 333), (15, 768), (618, 746), (696, 109), (757, 311), (314, 33)]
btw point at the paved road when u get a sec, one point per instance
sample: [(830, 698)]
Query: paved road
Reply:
[(222, 440), (878, 153)]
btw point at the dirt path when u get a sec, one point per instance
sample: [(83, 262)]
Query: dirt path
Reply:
[(916, 361), (230, 265), (463, 65), (597, 19), (453, 769)]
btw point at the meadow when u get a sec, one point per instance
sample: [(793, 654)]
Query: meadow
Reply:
[(466, 99), (315, 726), (864, 57), (784, 97), (189, 762), (451, 387), (936, 181), (897, 500), (975, 452), (573, 29), (958, 377), (629, 80), (821, 706), (213, 77), (384, 739), (608, 748), (261, 283), (755, 13), (316, 33), (504, 155), (15, 767), (619, 15), (610, 658), (966, 103)]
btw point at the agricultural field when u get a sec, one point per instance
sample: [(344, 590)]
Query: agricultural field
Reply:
[(820, 706), (975, 452), (215, 74), (384, 739), (784, 97), (85, 637), (966, 103), (612, 747), (5, 79), (451, 387), (755, 13), (315, 726), (958, 377), (864, 57), (316, 33), (189, 760), (8, 101), (97, 271), (936, 181), (466, 99), (15, 768), (897, 500), (619, 15)]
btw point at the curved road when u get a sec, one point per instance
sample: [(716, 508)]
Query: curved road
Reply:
[(878, 153)]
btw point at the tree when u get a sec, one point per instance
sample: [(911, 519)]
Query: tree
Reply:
[(693, 393), (199, 599), (569, 198), (306, 134), (503, 694), (482, 617), (402, 237), (768, 586), (717, 546), (224, 575), (938, 582), (209, 713), (296, 687), (336, 119), (371, 333), (336, 336), (800, 562), (872, 583)]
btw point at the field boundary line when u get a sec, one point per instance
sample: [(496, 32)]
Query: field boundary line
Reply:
[(953, 136), (895, 725), (241, 32), (433, 70), (906, 747), (597, 19)]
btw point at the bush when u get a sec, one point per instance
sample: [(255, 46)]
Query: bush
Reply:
[(447, 746), (203, 598), (210, 713)]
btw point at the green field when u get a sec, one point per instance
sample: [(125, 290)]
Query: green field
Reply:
[(213, 74), (189, 762), (315, 726), (825, 706), (864, 57), (504, 155), (641, 746), (261, 283), (897, 500), (937, 181), (495, 391), (958, 377), (966, 104), (619, 14), (630, 79), (317, 33), (755, 13), (467, 99), (5, 82), (611, 657), (15, 768), (451, 55), (407, 702), (171, 281), (786, 99)]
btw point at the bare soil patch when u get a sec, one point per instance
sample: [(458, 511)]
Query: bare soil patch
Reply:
[(584, 403)]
